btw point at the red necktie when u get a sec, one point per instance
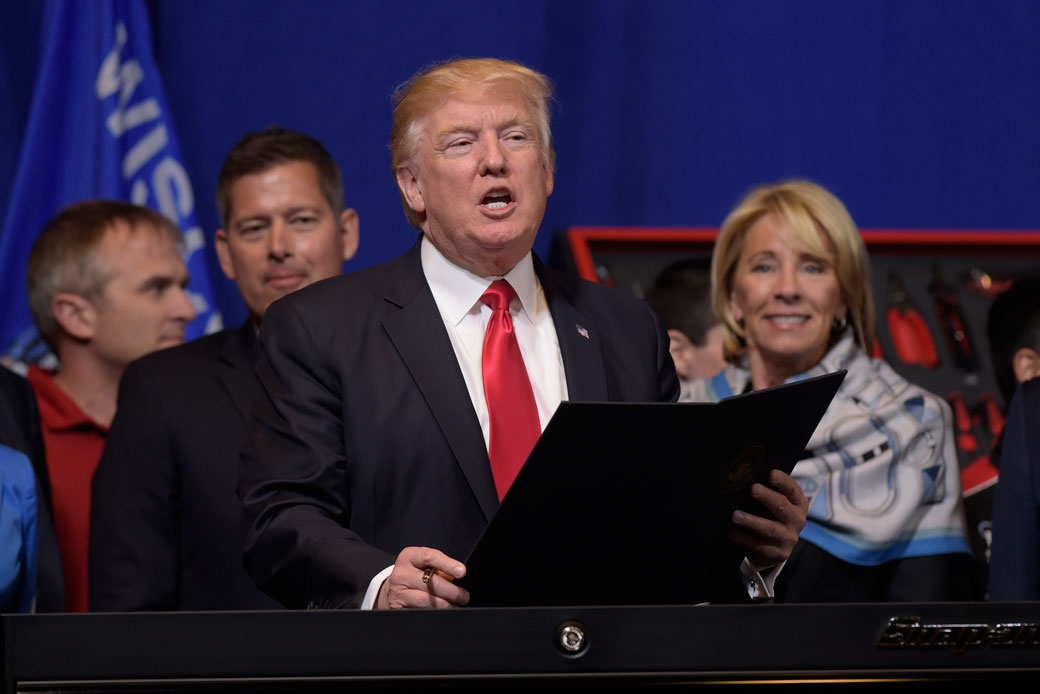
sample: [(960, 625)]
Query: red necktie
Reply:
[(510, 400)]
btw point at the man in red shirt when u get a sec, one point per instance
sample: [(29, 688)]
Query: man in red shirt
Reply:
[(106, 285)]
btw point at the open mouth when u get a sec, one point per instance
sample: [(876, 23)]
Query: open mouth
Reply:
[(788, 320), (498, 200)]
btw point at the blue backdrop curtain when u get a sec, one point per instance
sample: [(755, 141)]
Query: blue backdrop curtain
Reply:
[(918, 114)]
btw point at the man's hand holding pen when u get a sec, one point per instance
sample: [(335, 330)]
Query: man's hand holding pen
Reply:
[(423, 577)]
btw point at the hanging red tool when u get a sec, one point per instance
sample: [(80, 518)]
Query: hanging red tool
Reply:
[(987, 286), (952, 321), (981, 473), (910, 335), (966, 440), (993, 416)]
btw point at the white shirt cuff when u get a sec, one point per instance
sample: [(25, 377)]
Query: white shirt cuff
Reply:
[(373, 588), (759, 586)]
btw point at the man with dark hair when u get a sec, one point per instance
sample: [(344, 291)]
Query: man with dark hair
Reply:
[(166, 531), (396, 404), (681, 296), (106, 285), (1009, 510)]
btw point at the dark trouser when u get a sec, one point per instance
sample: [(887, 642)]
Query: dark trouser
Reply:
[(813, 575)]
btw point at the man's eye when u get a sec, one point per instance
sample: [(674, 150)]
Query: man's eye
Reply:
[(305, 220), (458, 143)]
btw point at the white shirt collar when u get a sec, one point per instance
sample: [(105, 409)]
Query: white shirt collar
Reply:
[(457, 290)]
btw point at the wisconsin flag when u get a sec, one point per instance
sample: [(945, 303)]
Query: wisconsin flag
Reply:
[(99, 127)]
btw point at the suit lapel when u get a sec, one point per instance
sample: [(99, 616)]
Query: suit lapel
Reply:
[(237, 358), (415, 327), (578, 337)]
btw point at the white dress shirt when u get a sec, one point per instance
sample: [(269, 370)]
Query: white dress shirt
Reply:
[(457, 292)]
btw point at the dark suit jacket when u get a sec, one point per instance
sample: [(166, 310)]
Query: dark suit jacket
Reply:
[(364, 439), (165, 522), (1014, 570), (20, 430)]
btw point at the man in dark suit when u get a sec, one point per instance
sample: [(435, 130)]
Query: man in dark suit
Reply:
[(165, 527), (1014, 572), (381, 442)]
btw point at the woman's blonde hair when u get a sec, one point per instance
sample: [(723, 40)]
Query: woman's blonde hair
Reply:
[(807, 209)]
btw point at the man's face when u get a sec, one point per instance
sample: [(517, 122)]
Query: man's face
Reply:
[(143, 306), (282, 234), (479, 178)]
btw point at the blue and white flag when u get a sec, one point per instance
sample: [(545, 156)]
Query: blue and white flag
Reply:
[(99, 127)]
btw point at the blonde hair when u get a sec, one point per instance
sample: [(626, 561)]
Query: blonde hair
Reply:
[(414, 100), (806, 209)]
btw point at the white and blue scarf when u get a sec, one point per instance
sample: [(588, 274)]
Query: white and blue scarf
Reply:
[(880, 471)]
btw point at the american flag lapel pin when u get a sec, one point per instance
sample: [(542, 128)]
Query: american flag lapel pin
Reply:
[(581, 331)]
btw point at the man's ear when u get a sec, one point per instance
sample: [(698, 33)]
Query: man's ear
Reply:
[(220, 245), (349, 227), (411, 189), (75, 315), (677, 335), (681, 349), (1025, 364)]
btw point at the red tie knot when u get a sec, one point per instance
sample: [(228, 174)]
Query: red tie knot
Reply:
[(499, 295)]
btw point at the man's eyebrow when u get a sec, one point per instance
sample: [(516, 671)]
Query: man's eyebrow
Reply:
[(158, 282), (470, 128), (314, 209), (457, 129), (516, 120), (252, 218)]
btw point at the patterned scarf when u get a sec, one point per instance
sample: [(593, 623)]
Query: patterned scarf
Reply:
[(880, 471)]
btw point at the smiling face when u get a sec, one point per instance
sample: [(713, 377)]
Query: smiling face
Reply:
[(478, 180), (788, 298), (282, 234)]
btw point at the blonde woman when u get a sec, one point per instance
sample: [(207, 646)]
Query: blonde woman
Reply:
[(791, 284)]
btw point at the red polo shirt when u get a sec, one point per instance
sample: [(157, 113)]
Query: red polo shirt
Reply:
[(73, 443)]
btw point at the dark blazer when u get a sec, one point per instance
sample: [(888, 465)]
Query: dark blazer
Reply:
[(20, 430), (364, 439), (165, 522), (1014, 569)]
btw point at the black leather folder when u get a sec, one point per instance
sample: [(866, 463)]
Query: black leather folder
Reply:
[(630, 503)]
